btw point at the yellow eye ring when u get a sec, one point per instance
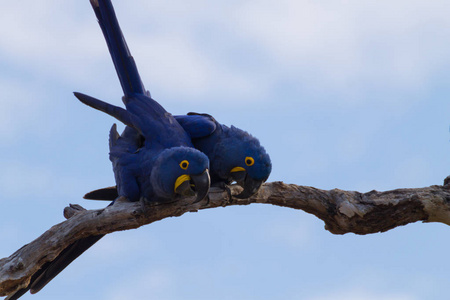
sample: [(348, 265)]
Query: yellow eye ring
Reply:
[(249, 161), (184, 164)]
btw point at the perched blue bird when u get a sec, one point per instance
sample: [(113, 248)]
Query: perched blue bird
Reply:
[(160, 164), (159, 168), (153, 159), (234, 155)]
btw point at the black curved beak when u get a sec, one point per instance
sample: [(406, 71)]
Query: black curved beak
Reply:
[(250, 185), (200, 184)]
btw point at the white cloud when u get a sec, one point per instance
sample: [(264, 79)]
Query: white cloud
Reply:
[(344, 48), (51, 38), (183, 70)]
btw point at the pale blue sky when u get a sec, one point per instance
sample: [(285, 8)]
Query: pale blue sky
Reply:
[(343, 94)]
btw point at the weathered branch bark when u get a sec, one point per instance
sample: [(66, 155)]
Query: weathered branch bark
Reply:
[(342, 212)]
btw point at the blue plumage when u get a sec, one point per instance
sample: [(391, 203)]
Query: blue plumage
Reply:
[(234, 154), (151, 131)]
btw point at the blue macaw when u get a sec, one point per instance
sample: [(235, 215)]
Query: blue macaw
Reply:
[(234, 155), (153, 159), (161, 163)]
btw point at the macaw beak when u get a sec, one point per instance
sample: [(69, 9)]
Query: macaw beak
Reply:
[(201, 185), (238, 174), (250, 185), (191, 185)]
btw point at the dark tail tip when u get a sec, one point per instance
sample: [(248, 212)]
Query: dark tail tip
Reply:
[(107, 194), (94, 3)]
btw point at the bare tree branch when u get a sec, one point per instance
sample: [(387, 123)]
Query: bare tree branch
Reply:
[(342, 212)]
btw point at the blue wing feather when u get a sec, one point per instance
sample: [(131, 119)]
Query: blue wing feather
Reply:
[(117, 112), (197, 126)]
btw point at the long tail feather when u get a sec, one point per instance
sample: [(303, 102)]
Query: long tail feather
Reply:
[(62, 261), (18, 294), (123, 61), (49, 271)]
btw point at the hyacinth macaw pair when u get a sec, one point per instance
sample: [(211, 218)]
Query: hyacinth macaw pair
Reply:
[(158, 157), (234, 155)]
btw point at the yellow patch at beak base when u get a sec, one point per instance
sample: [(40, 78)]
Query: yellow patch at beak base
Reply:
[(180, 180), (237, 169)]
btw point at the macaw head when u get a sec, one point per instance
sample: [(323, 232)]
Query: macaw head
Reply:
[(181, 171), (244, 160)]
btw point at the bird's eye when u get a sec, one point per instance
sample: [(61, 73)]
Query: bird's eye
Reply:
[(184, 164), (249, 161)]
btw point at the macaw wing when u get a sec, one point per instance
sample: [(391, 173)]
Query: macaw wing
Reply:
[(197, 125), (145, 115), (117, 112), (125, 161)]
